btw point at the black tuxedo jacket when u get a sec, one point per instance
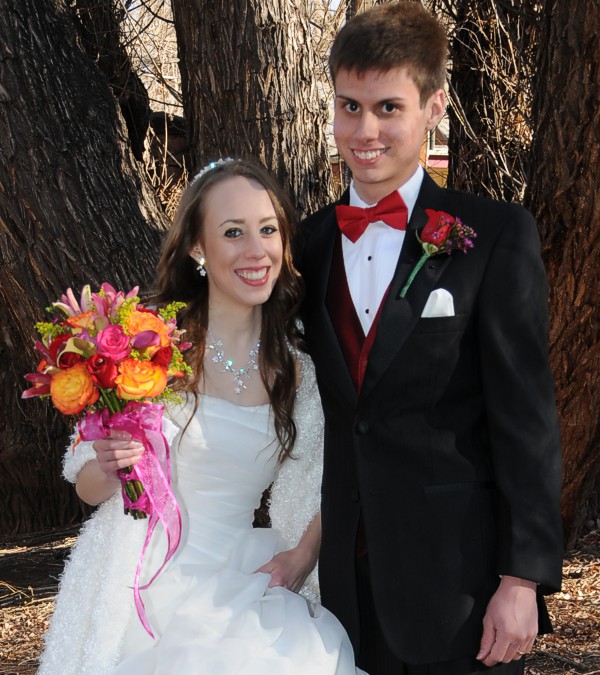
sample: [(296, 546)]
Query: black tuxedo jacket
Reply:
[(451, 450)]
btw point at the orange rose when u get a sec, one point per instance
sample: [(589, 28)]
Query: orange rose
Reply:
[(139, 321), (73, 389), (140, 379)]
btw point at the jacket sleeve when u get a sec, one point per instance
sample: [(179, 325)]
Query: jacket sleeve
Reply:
[(520, 404)]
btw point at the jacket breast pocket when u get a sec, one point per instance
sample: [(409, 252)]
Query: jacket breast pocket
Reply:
[(442, 324), (469, 486)]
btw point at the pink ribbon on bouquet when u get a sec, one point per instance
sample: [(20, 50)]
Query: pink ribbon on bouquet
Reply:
[(144, 422)]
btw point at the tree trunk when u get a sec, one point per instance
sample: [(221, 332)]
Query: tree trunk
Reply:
[(99, 24), (563, 193), (249, 89), (73, 209), (489, 113), (354, 7)]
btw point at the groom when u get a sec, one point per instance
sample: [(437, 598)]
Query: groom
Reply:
[(440, 512)]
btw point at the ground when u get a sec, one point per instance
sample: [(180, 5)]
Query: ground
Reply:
[(30, 568)]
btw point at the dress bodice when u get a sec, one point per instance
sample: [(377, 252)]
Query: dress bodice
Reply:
[(222, 462)]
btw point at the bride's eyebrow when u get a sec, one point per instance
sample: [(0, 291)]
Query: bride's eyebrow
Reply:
[(241, 221), (234, 221)]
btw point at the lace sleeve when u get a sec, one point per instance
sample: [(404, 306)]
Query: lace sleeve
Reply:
[(296, 493), (76, 456)]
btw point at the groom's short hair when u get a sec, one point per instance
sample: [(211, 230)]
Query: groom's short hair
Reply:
[(389, 36)]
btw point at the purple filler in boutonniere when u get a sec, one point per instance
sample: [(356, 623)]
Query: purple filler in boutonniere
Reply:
[(442, 234)]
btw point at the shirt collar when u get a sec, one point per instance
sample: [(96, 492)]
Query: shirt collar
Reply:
[(409, 192)]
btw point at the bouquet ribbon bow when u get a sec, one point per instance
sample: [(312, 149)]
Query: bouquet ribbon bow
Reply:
[(144, 422)]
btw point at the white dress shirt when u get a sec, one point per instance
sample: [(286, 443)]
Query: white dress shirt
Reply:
[(370, 261)]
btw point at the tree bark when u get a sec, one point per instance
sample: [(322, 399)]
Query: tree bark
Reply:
[(490, 97), (249, 89), (354, 7), (74, 209), (99, 25), (563, 193)]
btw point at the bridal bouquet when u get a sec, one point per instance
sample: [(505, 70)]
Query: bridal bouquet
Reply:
[(107, 359)]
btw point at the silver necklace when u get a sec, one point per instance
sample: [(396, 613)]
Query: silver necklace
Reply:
[(240, 375)]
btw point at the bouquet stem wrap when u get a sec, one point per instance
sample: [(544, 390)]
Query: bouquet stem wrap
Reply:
[(144, 422)]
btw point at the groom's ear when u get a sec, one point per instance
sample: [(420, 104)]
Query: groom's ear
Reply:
[(436, 107)]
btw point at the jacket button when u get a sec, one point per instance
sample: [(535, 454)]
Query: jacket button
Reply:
[(362, 428)]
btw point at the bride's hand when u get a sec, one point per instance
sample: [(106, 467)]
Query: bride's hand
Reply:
[(98, 480), (117, 451), (289, 569)]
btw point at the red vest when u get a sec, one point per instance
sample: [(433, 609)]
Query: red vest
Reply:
[(355, 346)]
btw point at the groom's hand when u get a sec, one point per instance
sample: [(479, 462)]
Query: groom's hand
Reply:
[(510, 623)]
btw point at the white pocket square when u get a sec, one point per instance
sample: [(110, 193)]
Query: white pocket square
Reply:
[(439, 303)]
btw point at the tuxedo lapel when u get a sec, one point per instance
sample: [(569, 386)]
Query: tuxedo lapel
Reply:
[(325, 347), (399, 315)]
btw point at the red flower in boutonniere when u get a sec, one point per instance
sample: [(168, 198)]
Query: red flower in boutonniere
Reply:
[(442, 234)]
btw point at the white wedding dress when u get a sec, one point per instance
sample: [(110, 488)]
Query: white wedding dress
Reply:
[(215, 615), (210, 611)]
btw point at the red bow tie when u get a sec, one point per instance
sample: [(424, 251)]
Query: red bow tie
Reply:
[(354, 220)]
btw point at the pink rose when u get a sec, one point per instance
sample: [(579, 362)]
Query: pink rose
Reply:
[(113, 342)]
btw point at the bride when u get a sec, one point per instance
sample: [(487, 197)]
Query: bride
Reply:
[(228, 602)]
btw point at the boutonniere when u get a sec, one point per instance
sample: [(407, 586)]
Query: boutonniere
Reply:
[(442, 234)]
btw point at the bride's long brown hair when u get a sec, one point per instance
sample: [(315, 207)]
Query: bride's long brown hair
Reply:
[(178, 279)]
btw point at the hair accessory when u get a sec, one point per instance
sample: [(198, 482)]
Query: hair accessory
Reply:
[(211, 166), (201, 265)]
